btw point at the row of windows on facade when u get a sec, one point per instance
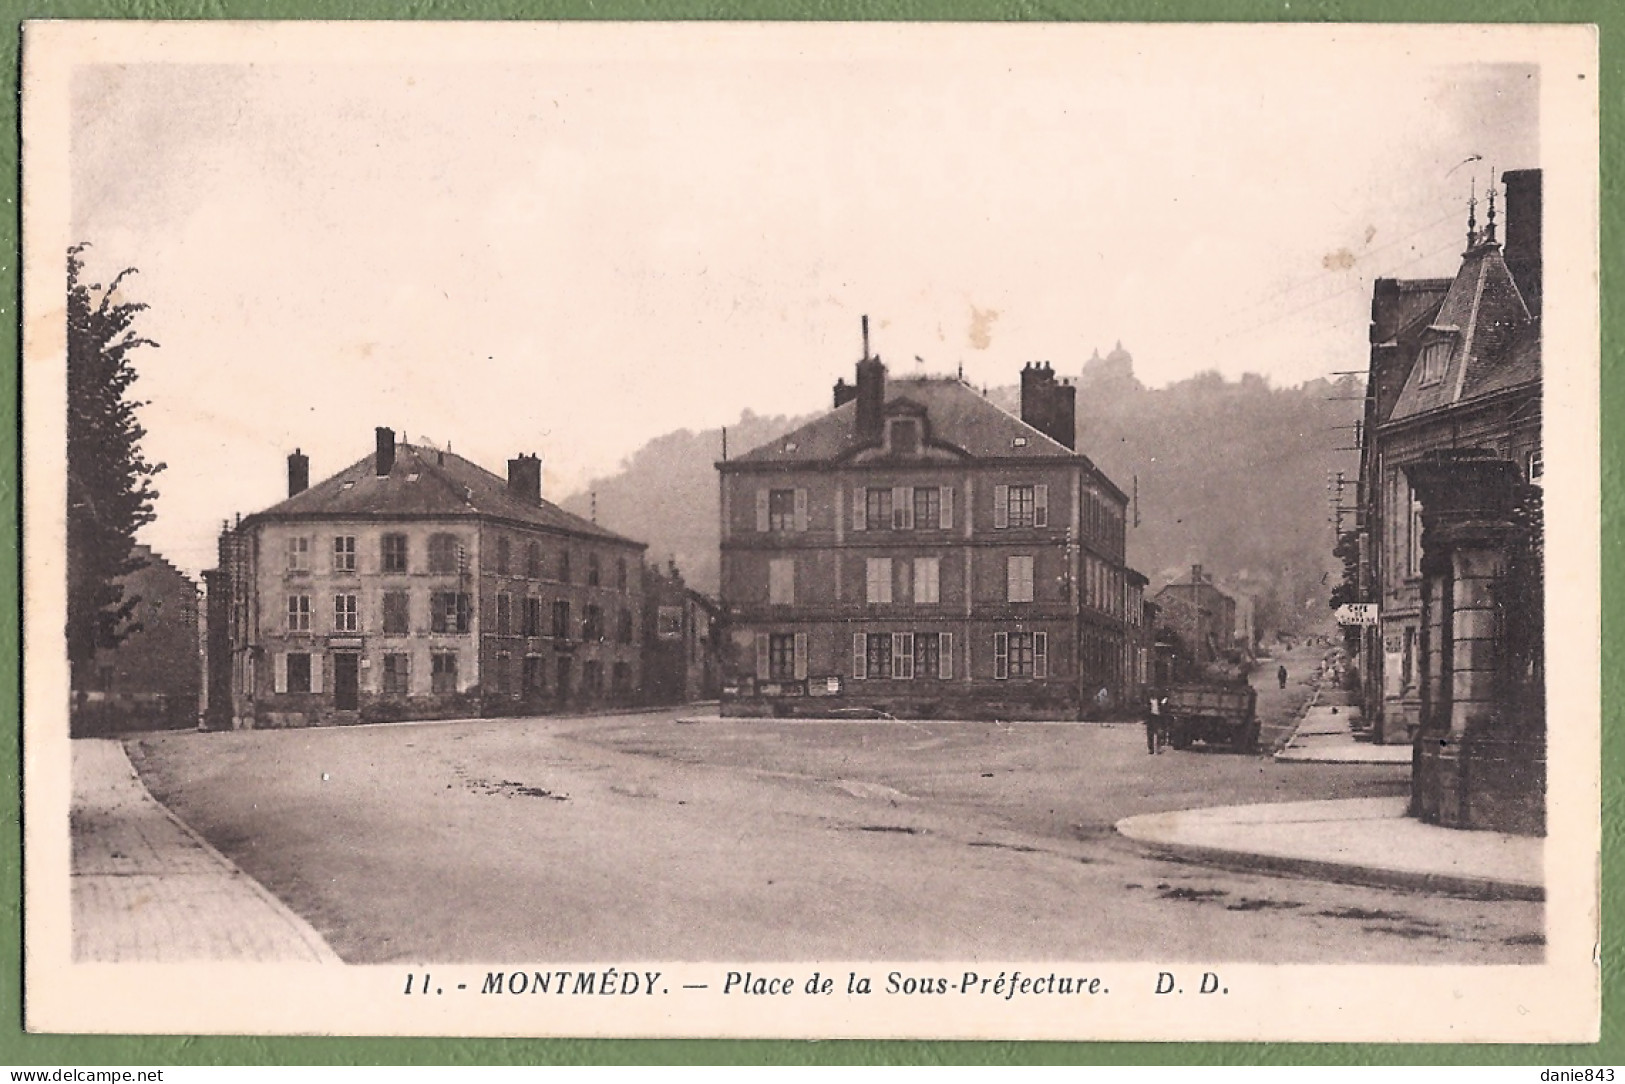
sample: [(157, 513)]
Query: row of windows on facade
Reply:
[(301, 672), (904, 656), (448, 556), (896, 580), (452, 611), (922, 508)]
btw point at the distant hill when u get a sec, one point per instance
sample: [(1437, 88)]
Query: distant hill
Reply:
[(1231, 475)]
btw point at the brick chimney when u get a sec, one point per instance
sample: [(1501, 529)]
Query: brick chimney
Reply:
[(298, 473), (1048, 406), (1522, 249), (870, 392), (525, 478), (844, 393), (1196, 574), (386, 450)]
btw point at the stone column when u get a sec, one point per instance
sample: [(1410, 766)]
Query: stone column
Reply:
[(1480, 757)]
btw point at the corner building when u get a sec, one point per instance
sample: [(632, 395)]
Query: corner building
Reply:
[(919, 551), (415, 584)]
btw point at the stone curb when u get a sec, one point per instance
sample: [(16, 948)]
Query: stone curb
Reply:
[(1320, 869)]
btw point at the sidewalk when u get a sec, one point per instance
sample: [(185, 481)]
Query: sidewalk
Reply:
[(1326, 734), (1357, 840), (148, 889)]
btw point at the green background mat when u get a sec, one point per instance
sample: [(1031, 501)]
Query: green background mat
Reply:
[(16, 1048)]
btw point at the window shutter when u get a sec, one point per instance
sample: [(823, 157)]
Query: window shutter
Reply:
[(945, 656), (946, 500), (315, 672), (1012, 579), (801, 509), (1001, 507), (279, 677), (905, 580), (1040, 654), (1001, 655), (761, 656), (801, 656), (1026, 568), (1040, 506), (859, 647), (860, 510), (761, 509)]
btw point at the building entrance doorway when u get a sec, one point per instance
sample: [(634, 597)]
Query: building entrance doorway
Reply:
[(346, 680)]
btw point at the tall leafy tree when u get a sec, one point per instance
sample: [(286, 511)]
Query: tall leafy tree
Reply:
[(110, 493)]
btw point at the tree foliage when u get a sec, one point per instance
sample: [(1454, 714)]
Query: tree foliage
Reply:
[(110, 493), (1348, 588)]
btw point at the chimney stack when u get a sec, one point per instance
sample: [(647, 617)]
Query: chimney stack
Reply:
[(844, 393), (870, 392), (386, 450), (1048, 406), (525, 478), (1196, 573), (1522, 249), (298, 473)]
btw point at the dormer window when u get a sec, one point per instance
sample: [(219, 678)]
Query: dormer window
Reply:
[(1432, 363), (903, 434)]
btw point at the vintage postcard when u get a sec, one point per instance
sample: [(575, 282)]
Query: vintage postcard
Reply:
[(812, 530)]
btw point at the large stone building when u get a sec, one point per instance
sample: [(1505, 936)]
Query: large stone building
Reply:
[(153, 678), (1449, 525), (920, 551), (1200, 618), (415, 584)]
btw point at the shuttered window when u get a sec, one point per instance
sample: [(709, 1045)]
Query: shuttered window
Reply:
[(902, 508), (945, 663), (927, 580), (878, 576), (947, 499), (781, 581), (1019, 579), (781, 510), (902, 655)]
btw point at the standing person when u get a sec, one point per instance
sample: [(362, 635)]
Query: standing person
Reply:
[(1280, 675), (1156, 731)]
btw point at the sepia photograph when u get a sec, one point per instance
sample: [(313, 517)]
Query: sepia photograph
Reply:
[(812, 530)]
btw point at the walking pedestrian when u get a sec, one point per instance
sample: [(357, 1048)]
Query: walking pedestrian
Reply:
[(1280, 675)]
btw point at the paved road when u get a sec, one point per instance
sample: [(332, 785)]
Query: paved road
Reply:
[(146, 890), (643, 836)]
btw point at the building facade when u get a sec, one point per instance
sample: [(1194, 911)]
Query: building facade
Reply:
[(919, 551), (415, 584), (1449, 529), (1197, 617), (153, 679), (682, 638)]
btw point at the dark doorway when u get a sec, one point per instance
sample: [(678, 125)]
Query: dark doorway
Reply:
[(346, 680)]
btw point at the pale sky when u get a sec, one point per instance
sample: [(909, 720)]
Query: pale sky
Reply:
[(573, 256)]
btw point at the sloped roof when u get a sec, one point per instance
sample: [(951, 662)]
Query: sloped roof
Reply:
[(1489, 325), (959, 417), (429, 483)]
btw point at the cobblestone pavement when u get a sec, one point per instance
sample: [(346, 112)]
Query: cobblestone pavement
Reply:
[(147, 889)]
